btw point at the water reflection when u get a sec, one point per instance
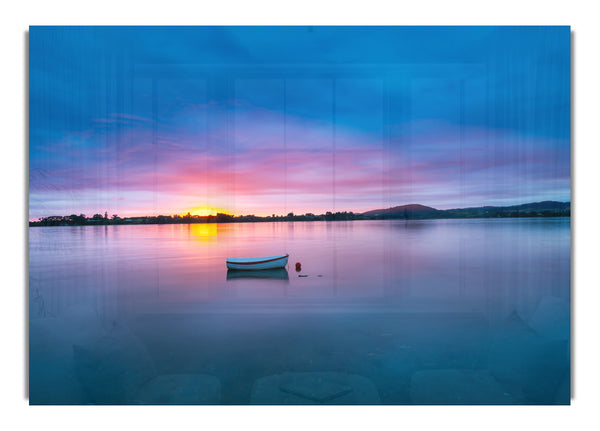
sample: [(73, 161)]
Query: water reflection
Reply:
[(264, 274), (204, 232), (417, 312)]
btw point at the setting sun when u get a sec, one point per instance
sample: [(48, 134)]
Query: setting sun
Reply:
[(207, 211)]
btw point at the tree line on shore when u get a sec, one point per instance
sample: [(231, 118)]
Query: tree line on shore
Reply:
[(98, 219), (483, 212)]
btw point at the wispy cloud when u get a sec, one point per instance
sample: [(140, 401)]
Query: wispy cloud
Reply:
[(444, 166)]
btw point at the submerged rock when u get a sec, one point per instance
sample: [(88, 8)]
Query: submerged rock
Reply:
[(314, 388), (552, 318), (563, 394), (459, 387), (117, 369), (523, 360), (113, 367), (52, 375), (179, 389)]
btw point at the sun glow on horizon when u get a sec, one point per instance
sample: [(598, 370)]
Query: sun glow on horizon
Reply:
[(205, 211)]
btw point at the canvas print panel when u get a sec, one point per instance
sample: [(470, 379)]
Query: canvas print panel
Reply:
[(299, 215)]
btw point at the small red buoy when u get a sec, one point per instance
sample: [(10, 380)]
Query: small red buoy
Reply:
[(298, 267)]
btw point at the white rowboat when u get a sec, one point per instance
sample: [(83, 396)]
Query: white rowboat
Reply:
[(254, 263)]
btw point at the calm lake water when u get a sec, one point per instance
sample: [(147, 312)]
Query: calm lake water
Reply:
[(390, 312)]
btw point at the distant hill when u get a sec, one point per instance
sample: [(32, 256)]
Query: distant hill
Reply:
[(412, 211), (534, 206), (534, 209), (416, 211)]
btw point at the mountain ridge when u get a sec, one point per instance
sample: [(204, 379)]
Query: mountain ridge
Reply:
[(531, 209)]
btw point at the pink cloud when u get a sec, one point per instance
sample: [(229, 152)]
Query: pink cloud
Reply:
[(266, 165)]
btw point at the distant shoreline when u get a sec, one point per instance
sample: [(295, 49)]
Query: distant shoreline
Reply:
[(403, 212), (60, 221)]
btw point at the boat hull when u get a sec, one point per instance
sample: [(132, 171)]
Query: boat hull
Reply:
[(258, 263)]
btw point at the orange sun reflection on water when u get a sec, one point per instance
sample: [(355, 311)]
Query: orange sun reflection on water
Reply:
[(205, 232)]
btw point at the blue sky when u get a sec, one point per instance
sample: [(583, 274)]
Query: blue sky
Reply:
[(262, 120)]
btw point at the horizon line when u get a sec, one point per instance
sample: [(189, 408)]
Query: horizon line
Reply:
[(297, 214)]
